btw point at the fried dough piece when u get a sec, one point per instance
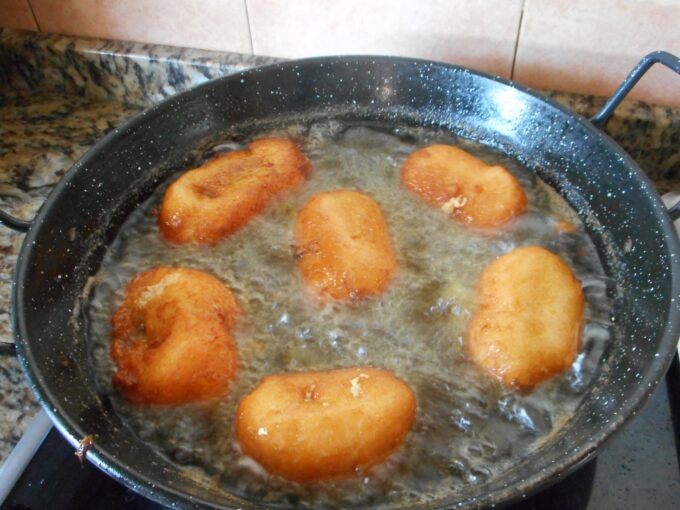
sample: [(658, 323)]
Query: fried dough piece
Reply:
[(172, 339), (322, 425), (472, 192), (344, 249), (216, 199), (528, 318)]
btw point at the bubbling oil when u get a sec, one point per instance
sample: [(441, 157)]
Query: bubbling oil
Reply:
[(468, 428)]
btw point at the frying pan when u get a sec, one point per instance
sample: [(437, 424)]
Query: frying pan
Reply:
[(621, 210)]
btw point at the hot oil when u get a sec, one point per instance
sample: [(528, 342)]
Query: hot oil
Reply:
[(468, 428)]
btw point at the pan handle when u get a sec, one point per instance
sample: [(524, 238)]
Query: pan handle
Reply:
[(662, 57), (14, 223), (672, 202)]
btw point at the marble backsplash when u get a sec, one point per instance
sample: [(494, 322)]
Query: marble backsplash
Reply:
[(133, 73)]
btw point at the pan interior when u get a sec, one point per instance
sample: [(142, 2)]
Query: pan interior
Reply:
[(620, 211), (470, 428)]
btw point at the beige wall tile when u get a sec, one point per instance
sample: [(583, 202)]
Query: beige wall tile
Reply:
[(590, 46), (476, 33), (208, 24), (16, 14)]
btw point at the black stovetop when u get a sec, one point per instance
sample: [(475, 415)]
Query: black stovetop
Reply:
[(639, 469)]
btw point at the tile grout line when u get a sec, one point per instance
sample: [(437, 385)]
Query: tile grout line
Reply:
[(519, 32), (250, 28), (35, 18)]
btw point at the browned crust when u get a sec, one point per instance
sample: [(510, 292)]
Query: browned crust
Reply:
[(171, 337), (221, 196), (344, 250), (315, 426), (472, 192), (528, 318)]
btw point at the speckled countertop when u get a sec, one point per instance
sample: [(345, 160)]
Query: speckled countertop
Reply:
[(58, 95)]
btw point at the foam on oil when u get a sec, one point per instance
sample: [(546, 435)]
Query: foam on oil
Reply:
[(468, 428)]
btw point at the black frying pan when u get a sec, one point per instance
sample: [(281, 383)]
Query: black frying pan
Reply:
[(618, 203)]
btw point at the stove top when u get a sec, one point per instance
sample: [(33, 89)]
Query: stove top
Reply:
[(639, 469)]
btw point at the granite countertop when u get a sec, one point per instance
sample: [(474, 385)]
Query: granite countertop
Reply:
[(58, 95)]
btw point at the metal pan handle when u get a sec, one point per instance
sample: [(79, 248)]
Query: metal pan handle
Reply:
[(662, 57), (14, 223), (672, 201)]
